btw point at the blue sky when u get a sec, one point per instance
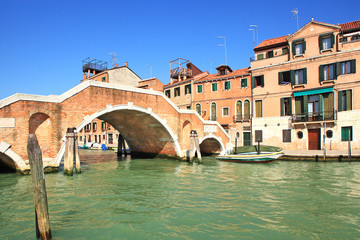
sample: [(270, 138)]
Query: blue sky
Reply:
[(42, 43)]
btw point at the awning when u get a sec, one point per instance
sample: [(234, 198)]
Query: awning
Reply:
[(313, 92)]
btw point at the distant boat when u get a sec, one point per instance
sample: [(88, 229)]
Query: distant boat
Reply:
[(251, 157)]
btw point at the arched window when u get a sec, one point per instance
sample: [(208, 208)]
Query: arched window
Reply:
[(198, 108), (238, 109), (246, 109), (213, 112)]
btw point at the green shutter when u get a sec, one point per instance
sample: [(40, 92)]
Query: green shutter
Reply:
[(332, 40), (305, 75), (348, 100), (320, 42), (293, 48), (282, 111), (298, 104), (280, 78), (253, 82), (305, 104), (335, 70), (292, 77), (262, 80), (340, 101), (353, 66), (304, 46), (338, 69), (290, 106), (245, 82), (321, 73)]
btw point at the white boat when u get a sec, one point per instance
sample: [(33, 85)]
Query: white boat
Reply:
[(251, 157)]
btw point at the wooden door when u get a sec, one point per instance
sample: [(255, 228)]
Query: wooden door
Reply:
[(314, 139)]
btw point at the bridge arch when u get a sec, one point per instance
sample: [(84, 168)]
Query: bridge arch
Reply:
[(9, 157), (123, 117), (211, 144)]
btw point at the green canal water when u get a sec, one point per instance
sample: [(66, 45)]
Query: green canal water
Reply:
[(166, 199)]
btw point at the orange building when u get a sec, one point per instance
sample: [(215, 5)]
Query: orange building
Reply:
[(226, 97), (306, 88)]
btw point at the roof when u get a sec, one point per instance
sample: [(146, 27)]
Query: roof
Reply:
[(234, 73), (271, 42), (313, 22), (350, 26)]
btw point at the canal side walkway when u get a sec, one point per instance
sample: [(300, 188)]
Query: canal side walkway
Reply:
[(318, 155)]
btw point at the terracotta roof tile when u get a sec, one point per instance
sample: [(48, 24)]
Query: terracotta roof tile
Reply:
[(242, 71), (272, 41), (346, 27)]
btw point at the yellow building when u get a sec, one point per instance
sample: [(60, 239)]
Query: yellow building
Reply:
[(306, 88)]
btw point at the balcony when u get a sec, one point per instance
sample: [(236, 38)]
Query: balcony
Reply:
[(241, 118), (315, 117)]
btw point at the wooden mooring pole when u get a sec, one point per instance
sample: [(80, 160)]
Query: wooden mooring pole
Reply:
[(349, 153), (42, 220), (71, 152), (194, 140)]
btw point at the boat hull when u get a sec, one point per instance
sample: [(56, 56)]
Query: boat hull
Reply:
[(250, 158)]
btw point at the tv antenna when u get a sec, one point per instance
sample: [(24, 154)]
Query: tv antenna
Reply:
[(296, 16), (114, 59), (257, 33), (223, 45)]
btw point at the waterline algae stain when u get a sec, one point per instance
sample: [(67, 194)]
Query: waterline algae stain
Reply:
[(165, 199)]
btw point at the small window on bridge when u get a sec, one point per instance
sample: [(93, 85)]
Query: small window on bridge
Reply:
[(177, 92)]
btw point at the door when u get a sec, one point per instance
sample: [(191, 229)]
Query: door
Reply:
[(213, 112), (246, 139), (314, 139)]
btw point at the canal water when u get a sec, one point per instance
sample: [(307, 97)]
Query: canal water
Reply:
[(166, 199)]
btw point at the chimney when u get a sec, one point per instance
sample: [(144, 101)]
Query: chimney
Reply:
[(84, 76), (126, 64), (116, 65), (171, 81)]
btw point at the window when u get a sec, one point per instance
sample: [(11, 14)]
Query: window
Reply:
[(94, 126), (246, 109), (103, 125), (110, 138), (258, 81), (214, 87), (345, 100), (299, 76), (213, 112), (225, 112), (285, 106), (258, 108), (227, 85), (80, 138), (103, 79), (87, 127), (95, 138), (222, 72), (355, 37), (270, 54), (326, 41), (244, 82), (284, 77), (286, 135), (260, 56), (258, 136), (300, 134), (347, 67), (167, 93), (198, 108), (177, 92), (238, 110), (298, 47), (329, 133), (187, 89), (345, 132), (285, 50), (199, 88), (329, 72), (89, 139), (343, 39)]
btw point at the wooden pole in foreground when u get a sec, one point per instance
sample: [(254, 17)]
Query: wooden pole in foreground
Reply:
[(120, 146), (39, 187), (349, 146), (197, 146), (76, 152)]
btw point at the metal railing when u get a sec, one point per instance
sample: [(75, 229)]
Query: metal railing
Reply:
[(315, 116), (241, 118)]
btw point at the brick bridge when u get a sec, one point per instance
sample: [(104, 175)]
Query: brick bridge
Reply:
[(151, 124)]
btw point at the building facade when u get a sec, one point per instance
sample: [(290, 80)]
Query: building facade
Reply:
[(306, 88)]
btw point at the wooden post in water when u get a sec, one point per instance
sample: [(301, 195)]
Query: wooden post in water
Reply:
[(349, 146), (123, 143), (235, 144), (40, 198), (76, 152), (194, 140), (119, 150), (69, 152), (324, 142)]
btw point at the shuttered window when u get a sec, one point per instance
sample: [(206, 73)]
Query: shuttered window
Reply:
[(326, 41), (214, 87), (258, 107), (177, 92), (345, 132), (298, 47), (227, 85), (286, 135), (167, 93), (199, 88), (285, 106), (198, 108), (345, 100), (257, 81), (244, 82), (246, 109), (187, 89)]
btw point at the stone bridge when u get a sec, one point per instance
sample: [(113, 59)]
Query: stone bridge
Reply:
[(150, 123)]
